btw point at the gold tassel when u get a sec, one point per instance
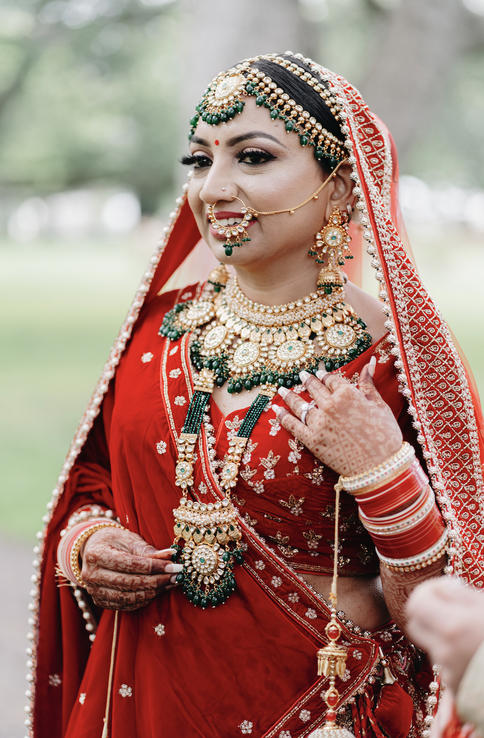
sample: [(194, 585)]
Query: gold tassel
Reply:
[(332, 658)]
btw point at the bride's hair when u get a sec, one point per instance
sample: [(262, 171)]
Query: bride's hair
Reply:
[(303, 94)]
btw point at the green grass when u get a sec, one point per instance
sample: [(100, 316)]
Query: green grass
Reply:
[(61, 308)]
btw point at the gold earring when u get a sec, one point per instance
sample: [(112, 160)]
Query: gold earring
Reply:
[(331, 249), (219, 277)]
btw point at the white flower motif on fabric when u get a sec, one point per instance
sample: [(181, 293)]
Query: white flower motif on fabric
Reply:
[(202, 488), (311, 614), (246, 727), (161, 447), (284, 734), (173, 350), (275, 426), (276, 581), (243, 546), (159, 629), (248, 451), (174, 373), (147, 357), (54, 680), (180, 400), (259, 488), (125, 691), (358, 655), (305, 715), (186, 295), (293, 597), (346, 676), (385, 636), (82, 698), (270, 474), (260, 565)]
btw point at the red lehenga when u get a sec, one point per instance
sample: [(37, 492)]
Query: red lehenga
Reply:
[(249, 666)]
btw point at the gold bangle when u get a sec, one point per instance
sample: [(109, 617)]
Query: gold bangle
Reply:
[(76, 548)]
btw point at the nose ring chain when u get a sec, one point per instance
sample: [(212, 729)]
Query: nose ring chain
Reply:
[(238, 231)]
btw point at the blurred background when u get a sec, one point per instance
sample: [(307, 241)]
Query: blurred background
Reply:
[(95, 98)]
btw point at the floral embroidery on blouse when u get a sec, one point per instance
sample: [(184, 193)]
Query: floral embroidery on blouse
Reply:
[(346, 675), (54, 680), (258, 487), (238, 500), (311, 614), (233, 425), (305, 715), (260, 565), (284, 734), (173, 350), (293, 597), (146, 357), (202, 488), (82, 697), (159, 629), (180, 400), (269, 463), (276, 581), (246, 727), (125, 691), (249, 520), (386, 636), (248, 451), (275, 426), (161, 447), (295, 454), (357, 655), (312, 538), (282, 542), (293, 505), (316, 476), (174, 373)]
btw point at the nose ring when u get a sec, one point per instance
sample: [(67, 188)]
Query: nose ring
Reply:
[(223, 189)]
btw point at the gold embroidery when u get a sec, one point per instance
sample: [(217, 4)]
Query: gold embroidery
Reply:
[(293, 505)]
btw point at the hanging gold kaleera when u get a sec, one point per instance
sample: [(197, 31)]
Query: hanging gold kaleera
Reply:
[(332, 658)]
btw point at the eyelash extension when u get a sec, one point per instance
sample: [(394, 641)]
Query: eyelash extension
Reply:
[(190, 160), (251, 152)]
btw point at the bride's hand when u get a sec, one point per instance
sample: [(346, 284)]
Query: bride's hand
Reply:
[(122, 571), (349, 429)]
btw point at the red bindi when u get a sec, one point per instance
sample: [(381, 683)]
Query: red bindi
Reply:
[(217, 142)]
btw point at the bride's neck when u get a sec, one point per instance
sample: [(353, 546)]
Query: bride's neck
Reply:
[(278, 287)]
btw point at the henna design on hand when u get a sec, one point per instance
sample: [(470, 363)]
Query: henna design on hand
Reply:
[(351, 430), (122, 571)]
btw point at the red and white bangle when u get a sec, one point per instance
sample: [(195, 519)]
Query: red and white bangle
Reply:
[(70, 544), (420, 561)]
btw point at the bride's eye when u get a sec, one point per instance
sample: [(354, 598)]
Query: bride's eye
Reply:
[(197, 161), (254, 156)]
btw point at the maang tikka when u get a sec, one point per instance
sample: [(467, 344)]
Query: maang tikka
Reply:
[(332, 249)]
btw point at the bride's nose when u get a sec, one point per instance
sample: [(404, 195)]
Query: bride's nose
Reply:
[(218, 185)]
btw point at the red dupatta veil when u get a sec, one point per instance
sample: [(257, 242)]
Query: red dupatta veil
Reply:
[(443, 406)]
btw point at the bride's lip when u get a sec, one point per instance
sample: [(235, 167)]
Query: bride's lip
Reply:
[(227, 214)]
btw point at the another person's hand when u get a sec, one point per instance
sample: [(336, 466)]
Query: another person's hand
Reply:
[(446, 618), (123, 572), (350, 430)]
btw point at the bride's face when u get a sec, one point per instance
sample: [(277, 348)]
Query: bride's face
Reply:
[(253, 158)]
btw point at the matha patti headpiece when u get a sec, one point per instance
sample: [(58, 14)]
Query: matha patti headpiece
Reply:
[(223, 100)]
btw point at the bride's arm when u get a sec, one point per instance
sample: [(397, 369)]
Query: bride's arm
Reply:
[(352, 430)]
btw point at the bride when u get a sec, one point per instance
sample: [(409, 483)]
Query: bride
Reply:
[(246, 505)]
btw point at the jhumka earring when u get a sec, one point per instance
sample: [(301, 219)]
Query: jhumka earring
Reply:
[(331, 249), (236, 231), (219, 277)]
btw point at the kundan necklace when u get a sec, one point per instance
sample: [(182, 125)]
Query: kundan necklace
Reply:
[(247, 345)]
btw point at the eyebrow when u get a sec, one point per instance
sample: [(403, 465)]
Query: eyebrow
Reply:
[(238, 139)]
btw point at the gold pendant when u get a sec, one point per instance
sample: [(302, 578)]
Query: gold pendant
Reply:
[(211, 536)]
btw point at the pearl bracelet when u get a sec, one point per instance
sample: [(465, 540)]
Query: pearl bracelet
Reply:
[(380, 473), (432, 554)]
